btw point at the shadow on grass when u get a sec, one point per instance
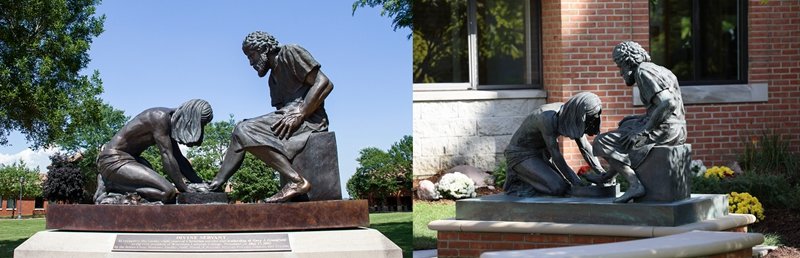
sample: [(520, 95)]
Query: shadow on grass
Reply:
[(399, 233), (7, 246), (424, 243)]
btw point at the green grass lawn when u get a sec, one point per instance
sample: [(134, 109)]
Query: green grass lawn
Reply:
[(13, 232), (425, 212), (396, 226)]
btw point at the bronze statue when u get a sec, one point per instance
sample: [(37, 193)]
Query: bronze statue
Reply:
[(123, 171), (663, 124), (536, 165), (298, 89)]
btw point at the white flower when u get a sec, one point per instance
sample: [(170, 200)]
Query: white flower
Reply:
[(456, 185), (697, 167)]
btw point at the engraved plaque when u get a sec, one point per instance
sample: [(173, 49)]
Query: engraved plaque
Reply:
[(200, 243)]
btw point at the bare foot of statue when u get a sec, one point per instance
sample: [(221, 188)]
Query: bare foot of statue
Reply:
[(635, 191), (598, 179), (290, 190)]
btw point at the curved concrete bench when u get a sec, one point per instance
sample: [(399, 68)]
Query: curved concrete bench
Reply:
[(691, 244), (717, 224)]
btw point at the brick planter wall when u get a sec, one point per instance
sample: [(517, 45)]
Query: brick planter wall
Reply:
[(472, 244)]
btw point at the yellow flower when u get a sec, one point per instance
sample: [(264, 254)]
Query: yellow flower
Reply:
[(746, 204)]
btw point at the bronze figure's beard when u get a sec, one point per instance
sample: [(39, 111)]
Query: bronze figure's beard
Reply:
[(261, 68), (628, 77)]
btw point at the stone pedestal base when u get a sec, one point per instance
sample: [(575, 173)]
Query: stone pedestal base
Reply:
[(352, 243), (501, 207), (318, 162), (665, 174), (209, 217)]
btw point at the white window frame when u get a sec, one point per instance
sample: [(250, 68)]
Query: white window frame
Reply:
[(472, 56)]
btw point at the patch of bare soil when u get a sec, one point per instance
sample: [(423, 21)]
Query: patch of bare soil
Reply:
[(783, 252)]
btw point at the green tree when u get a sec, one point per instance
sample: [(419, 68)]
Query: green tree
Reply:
[(402, 155), (207, 158), (398, 10), (9, 181), (43, 46), (254, 180), (64, 183), (382, 174), (87, 140)]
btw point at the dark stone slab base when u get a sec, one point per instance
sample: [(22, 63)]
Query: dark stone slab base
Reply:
[(501, 207), (318, 162), (209, 217), (596, 191), (203, 198)]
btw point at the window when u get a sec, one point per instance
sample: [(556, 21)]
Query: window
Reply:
[(11, 203), (38, 203), (701, 41), (476, 44)]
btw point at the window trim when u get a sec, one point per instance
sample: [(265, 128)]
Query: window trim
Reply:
[(531, 28), (741, 38)]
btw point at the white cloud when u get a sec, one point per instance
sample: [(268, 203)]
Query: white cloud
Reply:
[(33, 159)]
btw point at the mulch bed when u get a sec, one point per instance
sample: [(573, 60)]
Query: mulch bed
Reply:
[(785, 223)]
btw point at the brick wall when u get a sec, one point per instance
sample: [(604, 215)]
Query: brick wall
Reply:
[(579, 37), (472, 244), (27, 209)]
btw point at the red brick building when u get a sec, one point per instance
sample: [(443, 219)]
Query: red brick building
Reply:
[(10, 207), (738, 63)]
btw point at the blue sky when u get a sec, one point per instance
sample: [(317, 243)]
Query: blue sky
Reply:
[(162, 53)]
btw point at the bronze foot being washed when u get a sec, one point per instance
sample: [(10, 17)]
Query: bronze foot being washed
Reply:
[(290, 190), (635, 191)]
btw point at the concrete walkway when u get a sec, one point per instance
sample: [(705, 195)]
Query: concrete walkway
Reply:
[(425, 253)]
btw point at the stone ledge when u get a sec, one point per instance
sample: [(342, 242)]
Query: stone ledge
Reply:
[(351, 243), (691, 244), (718, 224), (457, 95), (209, 217), (579, 210)]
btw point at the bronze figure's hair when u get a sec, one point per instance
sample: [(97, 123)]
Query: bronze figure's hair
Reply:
[(261, 42), (572, 115), (188, 120), (630, 53)]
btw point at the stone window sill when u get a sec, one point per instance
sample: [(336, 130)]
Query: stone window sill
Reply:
[(718, 94), (456, 95)]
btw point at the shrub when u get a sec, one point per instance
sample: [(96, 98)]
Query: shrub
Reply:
[(769, 154), (744, 203), (456, 186), (718, 172), (773, 190), (499, 173)]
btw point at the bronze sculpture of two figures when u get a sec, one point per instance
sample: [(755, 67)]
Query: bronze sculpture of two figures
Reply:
[(536, 166), (298, 89)]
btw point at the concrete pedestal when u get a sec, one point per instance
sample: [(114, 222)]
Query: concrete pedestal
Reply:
[(665, 174), (318, 162), (351, 243)]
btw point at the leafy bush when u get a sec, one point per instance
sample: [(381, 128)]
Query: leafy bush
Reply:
[(456, 186), (64, 183), (773, 190), (744, 203), (769, 154), (499, 173), (718, 172)]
